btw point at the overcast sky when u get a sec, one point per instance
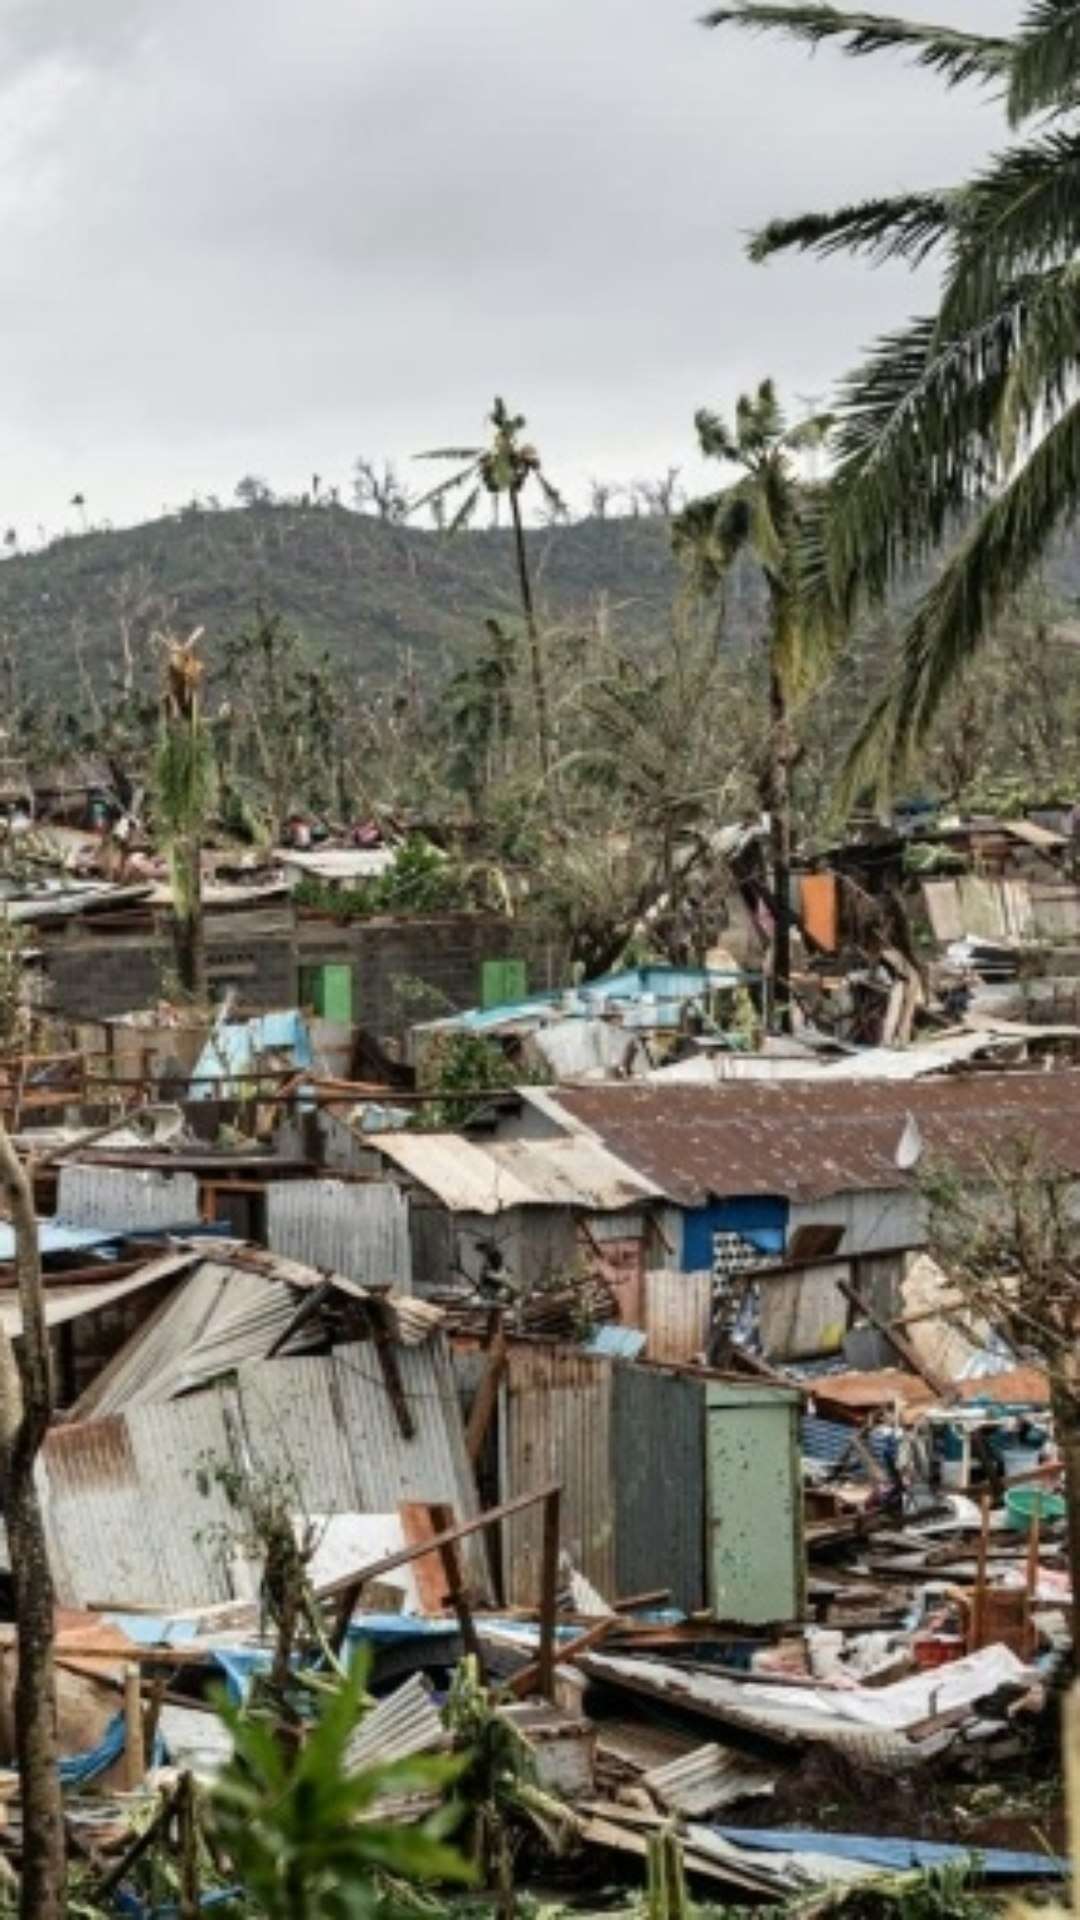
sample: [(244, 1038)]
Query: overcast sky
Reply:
[(266, 235)]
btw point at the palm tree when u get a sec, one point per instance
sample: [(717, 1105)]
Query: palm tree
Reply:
[(505, 467), (966, 421), (185, 786), (763, 513)]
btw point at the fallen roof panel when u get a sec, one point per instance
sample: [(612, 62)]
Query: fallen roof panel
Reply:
[(489, 1178)]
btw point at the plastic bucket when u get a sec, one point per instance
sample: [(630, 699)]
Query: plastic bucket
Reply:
[(1022, 1502)]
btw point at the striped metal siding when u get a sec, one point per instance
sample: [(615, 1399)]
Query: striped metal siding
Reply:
[(557, 1426), (678, 1315), (658, 1448), (126, 1521), (433, 1465), (340, 1226), (91, 1196), (290, 1418)]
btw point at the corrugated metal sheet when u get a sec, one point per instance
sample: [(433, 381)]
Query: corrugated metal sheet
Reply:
[(290, 1416), (125, 1519), (473, 1177), (222, 1316), (657, 1482), (71, 1303), (711, 1777), (678, 1314), (355, 1228), (96, 1196), (406, 1722), (130, 1525), (808, 1140), (557, 1426)]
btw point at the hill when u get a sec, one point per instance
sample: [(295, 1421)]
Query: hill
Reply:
[(363, 590)]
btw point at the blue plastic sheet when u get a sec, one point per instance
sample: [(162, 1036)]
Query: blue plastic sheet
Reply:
[(992, 1863), (79, 1769)]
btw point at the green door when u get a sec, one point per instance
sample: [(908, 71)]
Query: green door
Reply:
[(502, 981), (327, 990), (754, 1504)]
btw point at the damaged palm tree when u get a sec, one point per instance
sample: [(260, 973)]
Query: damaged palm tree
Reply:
[(761, 514), (185, 788), (25, 1409), (504, 469)]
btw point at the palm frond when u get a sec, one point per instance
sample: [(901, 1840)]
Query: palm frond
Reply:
[(1045, 67), (465, 512), (466, 476), (1021, 214), (905, 226), (450, 453), (1044, 366), (958, 56), (958, 612)]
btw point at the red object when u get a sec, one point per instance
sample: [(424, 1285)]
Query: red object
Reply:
[(937, 1649)]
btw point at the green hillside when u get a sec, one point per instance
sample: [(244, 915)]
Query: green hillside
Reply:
[(366, 591)]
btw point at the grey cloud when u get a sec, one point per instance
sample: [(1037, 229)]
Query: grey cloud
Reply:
[(272, 232)]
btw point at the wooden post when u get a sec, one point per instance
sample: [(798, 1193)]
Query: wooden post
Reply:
[(443, 1521), (134, 1751), (978, 1604), (486, 1397), (1031, 1586), (549, 1593), (188, 1846)]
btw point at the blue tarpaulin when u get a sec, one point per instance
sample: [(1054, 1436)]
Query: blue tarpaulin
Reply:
[(992, 1863), (233, 1050)]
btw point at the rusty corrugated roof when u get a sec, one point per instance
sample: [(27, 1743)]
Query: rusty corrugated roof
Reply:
[(806, 1140)]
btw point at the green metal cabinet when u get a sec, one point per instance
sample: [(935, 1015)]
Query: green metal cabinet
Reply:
[(753, 1509)]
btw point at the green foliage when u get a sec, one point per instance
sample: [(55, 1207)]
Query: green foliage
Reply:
[(970, 413), (499, 1784), (13, 1004), (304, 1834), (367, 594), (421, 880), (457, 1063)]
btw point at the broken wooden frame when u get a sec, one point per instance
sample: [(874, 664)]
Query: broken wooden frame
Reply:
[(345, 1591)]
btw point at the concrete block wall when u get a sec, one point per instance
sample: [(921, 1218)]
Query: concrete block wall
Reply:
[(404, 970)]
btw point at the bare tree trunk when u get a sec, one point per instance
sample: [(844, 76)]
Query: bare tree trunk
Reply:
[(536, 664), (189, 931), (25, 1409), (780, 849)]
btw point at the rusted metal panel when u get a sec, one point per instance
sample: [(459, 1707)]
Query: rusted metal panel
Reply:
[(360, 1229), (678, 1315), (620, 1263), (125, 1518), (96, 1196), (809, 1140), (557, 1409), (658, 1483)]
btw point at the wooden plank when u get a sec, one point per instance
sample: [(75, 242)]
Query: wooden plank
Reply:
[(549, 1592)]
